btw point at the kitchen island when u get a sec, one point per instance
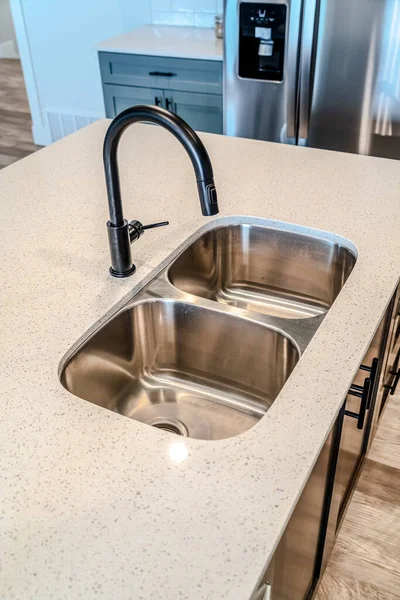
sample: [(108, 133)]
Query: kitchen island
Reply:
[(95, 505)]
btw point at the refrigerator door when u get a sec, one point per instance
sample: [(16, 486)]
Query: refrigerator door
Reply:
[(261, 53), (350, 81)]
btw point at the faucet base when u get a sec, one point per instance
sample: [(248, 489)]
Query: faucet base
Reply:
[(120, 249), (124, 274)]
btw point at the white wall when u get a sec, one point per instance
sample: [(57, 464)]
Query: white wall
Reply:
[(134, 13), (8, 42), (60, 62), (193, 13)]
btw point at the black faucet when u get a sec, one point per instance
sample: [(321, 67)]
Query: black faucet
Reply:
[(121, 233)]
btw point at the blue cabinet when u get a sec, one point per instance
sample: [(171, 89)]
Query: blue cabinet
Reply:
[(190, 88)]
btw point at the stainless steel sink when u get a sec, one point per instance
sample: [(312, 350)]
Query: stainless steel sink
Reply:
[(184, 368), (265, 270), (204, 349)]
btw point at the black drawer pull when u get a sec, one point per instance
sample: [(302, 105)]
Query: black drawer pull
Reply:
[(395, 382), (161, 74), (373, 370), (364, 395), (170, 105), (393, 386)]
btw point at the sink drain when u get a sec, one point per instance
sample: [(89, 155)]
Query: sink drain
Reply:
[(169, 424)]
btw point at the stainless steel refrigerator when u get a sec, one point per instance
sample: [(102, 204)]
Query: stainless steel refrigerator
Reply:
[(318, 73)]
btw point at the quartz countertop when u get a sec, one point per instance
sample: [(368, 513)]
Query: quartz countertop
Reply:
[(95, 505), (166, 40)]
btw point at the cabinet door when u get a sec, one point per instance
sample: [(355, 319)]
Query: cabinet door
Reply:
[(118, 97), (295, 567), (391, 376), (352, 452), (354, 441), (203, 112)]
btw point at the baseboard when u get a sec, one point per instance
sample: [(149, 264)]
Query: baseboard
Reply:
[(61, 124), (9, 49), (41, 135)]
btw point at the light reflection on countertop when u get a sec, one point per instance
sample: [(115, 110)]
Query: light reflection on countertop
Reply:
[(178, 452)]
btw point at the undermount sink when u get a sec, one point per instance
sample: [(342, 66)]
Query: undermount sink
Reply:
[(183, 368), (181, 357), (270, 271)]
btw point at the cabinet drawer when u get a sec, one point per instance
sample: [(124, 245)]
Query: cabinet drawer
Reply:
[(157, 72)]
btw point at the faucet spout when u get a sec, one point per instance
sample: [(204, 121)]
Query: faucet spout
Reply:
[(181, 130), (118, 227)]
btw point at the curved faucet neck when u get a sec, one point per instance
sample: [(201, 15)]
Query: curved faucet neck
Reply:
[(181, 130)]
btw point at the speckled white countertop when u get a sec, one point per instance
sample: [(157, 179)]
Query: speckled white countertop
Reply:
[(94, 505), (166, 40)]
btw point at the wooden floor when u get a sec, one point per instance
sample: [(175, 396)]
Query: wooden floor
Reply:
[(15, 118), (365, 563)]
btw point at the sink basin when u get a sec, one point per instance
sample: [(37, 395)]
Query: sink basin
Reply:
[(185, 368), (269, 271), (181, 357)]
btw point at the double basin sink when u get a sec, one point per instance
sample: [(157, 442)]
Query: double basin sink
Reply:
[(205, 348)]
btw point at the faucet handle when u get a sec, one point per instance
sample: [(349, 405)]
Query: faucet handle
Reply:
[(136, 228), (154, 225)]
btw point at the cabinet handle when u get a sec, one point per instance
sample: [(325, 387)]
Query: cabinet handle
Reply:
[(161, 74), (395, 382), (364, 395), (264, 592), (392, 388), (157, 101), (268, 592), (373, 370), (169, 104)]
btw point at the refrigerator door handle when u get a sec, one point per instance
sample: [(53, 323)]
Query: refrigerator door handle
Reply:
[(292, 65), (306, 66), (291, 112)]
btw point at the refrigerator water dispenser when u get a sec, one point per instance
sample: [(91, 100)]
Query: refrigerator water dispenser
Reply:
[(262, 30)]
